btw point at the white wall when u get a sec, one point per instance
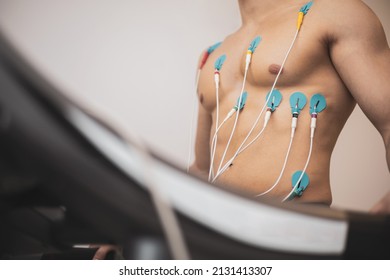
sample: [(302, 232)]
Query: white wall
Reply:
[(134, 63)]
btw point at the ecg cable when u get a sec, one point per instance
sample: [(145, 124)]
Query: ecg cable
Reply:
[(317, 105), (271, 108), (217, 66), (252, 47), (301, 14), (273, 103), (203, 61), (297, 102), (237, 107)]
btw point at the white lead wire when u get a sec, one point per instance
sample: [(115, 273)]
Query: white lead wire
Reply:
[(304, 170), (272, 89), (230, 161), (236, 120), (215, 137), (283, 168), (259, 116)]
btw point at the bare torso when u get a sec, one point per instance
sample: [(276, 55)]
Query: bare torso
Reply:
[(309, 69)]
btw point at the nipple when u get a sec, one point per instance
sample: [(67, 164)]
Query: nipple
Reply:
[(201, 98), (274, 69)]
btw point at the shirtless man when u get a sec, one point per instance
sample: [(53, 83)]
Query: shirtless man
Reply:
[(341, 52)]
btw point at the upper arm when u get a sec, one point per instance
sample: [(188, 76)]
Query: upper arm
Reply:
[(202, 143), (361, 55)]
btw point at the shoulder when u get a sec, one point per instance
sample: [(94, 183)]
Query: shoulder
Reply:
[(343, 10), (206, 53), (347, 18)]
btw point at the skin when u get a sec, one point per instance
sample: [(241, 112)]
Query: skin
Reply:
[(103, 250), (341, 52)]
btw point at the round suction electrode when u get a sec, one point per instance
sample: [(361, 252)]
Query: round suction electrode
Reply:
[(297, 102), (274, 100), (317, 103), (302, 184)]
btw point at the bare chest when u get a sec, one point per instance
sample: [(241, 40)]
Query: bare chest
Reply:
[(304, 60)]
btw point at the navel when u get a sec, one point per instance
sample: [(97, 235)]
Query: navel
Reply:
[(274, 69)]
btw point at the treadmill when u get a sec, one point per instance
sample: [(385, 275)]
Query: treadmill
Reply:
[(68, 179)]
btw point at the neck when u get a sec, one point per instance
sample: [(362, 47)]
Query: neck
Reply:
[(256, 10)]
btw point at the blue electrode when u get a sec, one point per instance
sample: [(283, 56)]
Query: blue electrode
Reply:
[(251, 49), (317, 105), (213, 47), (301, 180), (297, 102), (219, 62), (302, 12), (305, 8), (274, 100), (253, 45), (207, 53), (241, 103), (218, 66)]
